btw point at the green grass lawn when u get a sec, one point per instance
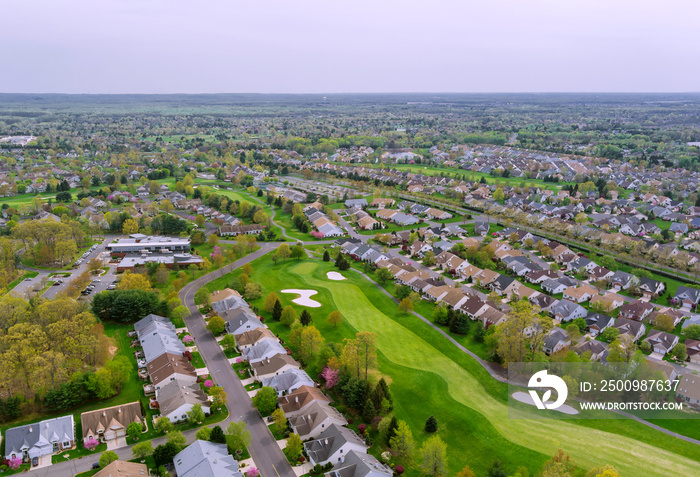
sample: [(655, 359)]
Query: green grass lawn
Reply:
[(429, 375), (197, 360)]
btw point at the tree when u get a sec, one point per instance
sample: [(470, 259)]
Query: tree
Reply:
[(330, 377), (431, 425), (270, 301), (196, 414), (664, 322), (581, 218), (298, 251), (279, 420), (237, 436), (311, 342), (203, 434), (260, 217), (429, 259), (178, 439), (680, 352), (692, 332), (604, 471), (180, 312), (305, 318), (133, 281), (265, 400), (289, 316), (468, 472), (403, 443), (219, 396), (459, 324), (610, 334), (217, 435), (130, 226), (383, 275), (283, 251), (165, 453), (216, 325), (203, 297), (496, 470), (199, 220), (134, 430), (335, 318), (163, 424), (293, 448), (434, 456), (252, 291), (406, 305), (107, 458), (228, 342), (142, 450), (277, 311), (326, 256), (560, 465), (499, 195)]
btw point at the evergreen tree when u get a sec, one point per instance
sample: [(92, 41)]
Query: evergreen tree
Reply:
[(391, 433), (385, 390), (459, 324), (369, 411), (277, 310), (217, 435), (305, 318), (326, 256), (431, 424)]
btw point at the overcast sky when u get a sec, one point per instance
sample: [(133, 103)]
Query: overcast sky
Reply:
[(332, 46)]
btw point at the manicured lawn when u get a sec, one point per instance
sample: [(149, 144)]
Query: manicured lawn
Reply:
[(79, 452), (429, 375), (197, 360)]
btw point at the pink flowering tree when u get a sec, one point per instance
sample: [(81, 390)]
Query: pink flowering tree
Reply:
[(187, 339), (330, 376), (208, 383), (91, 443), (14, 463), (252, 472), (239, 360), (217, 251)]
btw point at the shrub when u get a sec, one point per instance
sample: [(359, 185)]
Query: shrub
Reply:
[(361, 428), (91, 443)]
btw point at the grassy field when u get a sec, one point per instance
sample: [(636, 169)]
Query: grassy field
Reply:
[(431, 376)]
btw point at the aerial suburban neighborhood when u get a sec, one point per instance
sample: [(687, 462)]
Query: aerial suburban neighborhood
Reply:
[(237, 240)]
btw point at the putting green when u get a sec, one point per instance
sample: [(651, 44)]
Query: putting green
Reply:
[(589, 447)]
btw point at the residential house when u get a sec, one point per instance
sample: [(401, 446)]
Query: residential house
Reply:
[(597, 350), (689, 389), (610, 301), (359, 464), (250, 338), (381, 202), (263, 349), (539, 276), (240, 320), (121, 468), (634, 329), (333, 444), (40, 439), (687, 297), (317, 417), (661, 342), (170, 367), (676, 315), (233, 230), (298, 402), (110, 424), (553, 287), (226, 299), (597, 323), (278, 364), (623, 280), (288, 381), (566, 310), (693, 349), (651, 288), (556, 340), (580, 294), (205, 459), (504, 285), (176, 400), (636, 310)]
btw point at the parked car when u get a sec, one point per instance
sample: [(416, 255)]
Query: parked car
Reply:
[(96, 465)]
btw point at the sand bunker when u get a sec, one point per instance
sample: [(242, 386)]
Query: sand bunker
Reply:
[(527, 399), (303, 298), (335, 276)]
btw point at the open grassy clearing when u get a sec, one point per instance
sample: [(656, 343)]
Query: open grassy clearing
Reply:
[(431, 376)]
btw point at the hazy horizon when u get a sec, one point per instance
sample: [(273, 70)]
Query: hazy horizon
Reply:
[(362, 47)]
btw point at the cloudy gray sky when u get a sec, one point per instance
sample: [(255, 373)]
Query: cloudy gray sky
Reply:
[(331, 46)]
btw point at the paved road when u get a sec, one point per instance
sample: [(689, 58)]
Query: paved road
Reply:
[(264, 450)]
